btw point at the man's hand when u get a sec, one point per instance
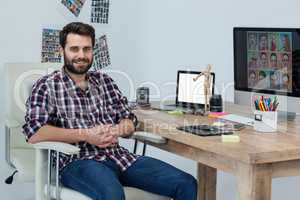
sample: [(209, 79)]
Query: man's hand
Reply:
[(100, 129), (107, 135), (102, 136), (115, 130)]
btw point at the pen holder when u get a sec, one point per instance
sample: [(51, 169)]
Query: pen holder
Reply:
[(265, 121)]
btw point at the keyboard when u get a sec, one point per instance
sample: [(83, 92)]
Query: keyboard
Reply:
[(206, 130), (239, 119)]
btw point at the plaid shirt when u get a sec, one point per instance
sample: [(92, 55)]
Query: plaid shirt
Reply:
[(57, 101)]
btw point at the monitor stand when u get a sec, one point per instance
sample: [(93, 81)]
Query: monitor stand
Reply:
[(286, 116)]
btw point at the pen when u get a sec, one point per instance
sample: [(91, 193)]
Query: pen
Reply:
[(275, 106), (271, 106), (266, 104), (261, 105)]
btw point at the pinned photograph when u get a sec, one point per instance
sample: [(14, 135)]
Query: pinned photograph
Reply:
[(74, 6), (273, 41), (263, 41), (273, 60), (100, 11), (275, 79), (252, 42), (286, 62), (285, 42), (252, 59), (287, 82), (263, 60), (101, 54), (252, 78), (50, 46), (263, 80)]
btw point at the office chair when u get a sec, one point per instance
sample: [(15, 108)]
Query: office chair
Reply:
[(34, 162)]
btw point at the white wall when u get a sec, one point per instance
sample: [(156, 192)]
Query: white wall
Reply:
[(150, 40)]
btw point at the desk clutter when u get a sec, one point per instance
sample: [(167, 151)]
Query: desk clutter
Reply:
[(220, 127), (266, 104), (265, 115), (230, 138), (206, 130)]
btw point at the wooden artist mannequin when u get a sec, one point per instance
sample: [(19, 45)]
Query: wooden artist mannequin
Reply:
[(207, 82)]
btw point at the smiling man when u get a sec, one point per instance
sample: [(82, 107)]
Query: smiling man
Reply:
[(87, 109)]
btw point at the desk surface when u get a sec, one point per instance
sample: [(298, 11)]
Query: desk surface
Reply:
[(253, 148)]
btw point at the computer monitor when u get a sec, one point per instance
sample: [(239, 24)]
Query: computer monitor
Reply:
[(190, 93), (267, 62)]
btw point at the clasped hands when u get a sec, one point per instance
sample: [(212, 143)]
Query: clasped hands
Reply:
[(103, 135)]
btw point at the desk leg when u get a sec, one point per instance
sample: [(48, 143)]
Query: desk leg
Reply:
[(207, 182), (254, 182)]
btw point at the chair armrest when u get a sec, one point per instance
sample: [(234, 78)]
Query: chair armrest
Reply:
[(149, 137), (58, 146), (11, 123)]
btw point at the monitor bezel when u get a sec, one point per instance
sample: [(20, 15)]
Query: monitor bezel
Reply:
[(265, 29), (188, 104)]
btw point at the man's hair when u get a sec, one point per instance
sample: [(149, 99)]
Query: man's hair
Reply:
[(262, 73), (263, 53), (273, 54), (285, 54), (76, 28)]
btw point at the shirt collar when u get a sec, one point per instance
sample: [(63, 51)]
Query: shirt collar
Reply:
[(70, 83)]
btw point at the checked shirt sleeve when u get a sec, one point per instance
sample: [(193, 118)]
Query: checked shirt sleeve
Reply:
[(120, 102), (37, 109)]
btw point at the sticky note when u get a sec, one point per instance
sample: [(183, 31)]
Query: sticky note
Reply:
[(175, 112), (231, 138), (218, 124), (217, 114)]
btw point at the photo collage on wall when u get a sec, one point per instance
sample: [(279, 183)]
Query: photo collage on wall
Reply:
[(74, 6), (101, 54), (269, 60), (99, 11), (50, 46)]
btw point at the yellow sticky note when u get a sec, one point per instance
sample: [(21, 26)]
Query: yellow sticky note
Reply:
[(175, 112), (231, 138)]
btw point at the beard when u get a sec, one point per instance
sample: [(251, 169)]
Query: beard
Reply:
[(69, 65)]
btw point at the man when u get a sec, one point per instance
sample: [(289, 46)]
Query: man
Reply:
[(252, 41), (263, 42), (274, 79), (285, 81), (285, 60), (253, 60), (263, 80), (88, 110), (263, 58), (273, 60), (262, 75), (285, 42), (273, 41), (252, 78)]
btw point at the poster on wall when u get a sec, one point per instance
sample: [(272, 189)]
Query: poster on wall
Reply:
[(100, 11), (50, 46), (101, 54), (74, 6)]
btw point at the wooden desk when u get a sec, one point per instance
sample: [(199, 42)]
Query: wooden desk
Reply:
[(254, 161)]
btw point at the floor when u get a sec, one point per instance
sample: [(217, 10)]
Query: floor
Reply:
[(15, 191)]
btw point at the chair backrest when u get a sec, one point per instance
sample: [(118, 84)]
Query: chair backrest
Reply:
[(19, 78)]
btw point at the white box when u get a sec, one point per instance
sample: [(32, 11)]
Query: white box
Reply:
[(265, 121)]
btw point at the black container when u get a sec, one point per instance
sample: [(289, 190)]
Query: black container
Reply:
[(216, 103), (142, 96)]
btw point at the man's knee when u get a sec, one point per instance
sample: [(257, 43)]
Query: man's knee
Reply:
[(187, 184)]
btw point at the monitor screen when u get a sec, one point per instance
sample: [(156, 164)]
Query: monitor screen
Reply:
[(190, 92), (267, 60)]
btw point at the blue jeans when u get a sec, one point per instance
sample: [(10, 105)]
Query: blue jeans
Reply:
[(105, 181)]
